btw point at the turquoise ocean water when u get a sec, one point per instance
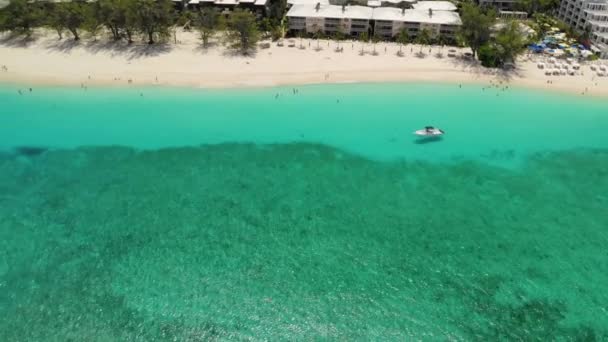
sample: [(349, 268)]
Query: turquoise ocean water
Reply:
[(268, 214)]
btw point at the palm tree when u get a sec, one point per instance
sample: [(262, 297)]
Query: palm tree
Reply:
[(402, 38), (586, 35), (338, 36), (375, 39), (301, 36), (363, 37), (423, 38), (318, 35)]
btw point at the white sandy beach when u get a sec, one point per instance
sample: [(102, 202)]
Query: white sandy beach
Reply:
[(47, 60)]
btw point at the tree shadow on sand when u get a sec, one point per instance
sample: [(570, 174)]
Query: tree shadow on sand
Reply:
[(204, 49), (473, 66), (237, 53), (17, 40), (116, 48)]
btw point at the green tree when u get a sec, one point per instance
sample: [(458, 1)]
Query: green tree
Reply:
[(277, 10), (509, 42), (423, 38), (207, 22), (242, 32), (318, 35), (476, 26), (403, 38), (72, 14), (119, 17), (93, 21), (55, 22), (3, 21), (537, 6), (375, 39), (488, 56), (338, 36), (301, 35), (265, 25), (130, 23), (22, 16), (154, 17), (585, 35), (363, 38)]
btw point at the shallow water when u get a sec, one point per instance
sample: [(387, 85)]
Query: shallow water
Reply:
[(323, 224)]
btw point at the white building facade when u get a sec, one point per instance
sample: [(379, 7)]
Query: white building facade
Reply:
[(350, 20), (390, 21), (438, 17), (588, 13)]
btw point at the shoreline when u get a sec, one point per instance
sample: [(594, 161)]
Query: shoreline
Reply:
[(47, 61)]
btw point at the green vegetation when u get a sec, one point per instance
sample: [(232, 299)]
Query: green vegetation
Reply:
[(277, 10), (507, 43), (423, 38), (154, 18), (403, 38), (21, 17), (537, 6), (122, 18), (242, 31), (207, 22), (338, 36), (93, 22), (363, 38), (318, 35), (72, 15), (476, 26), (375, 39)]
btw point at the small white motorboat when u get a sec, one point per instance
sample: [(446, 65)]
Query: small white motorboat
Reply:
[(429, 131)]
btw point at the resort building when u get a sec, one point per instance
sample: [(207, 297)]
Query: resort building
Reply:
[(438, 17), (389, 21), (593, 14), (434, 5), (501, 5), (351, 20)]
